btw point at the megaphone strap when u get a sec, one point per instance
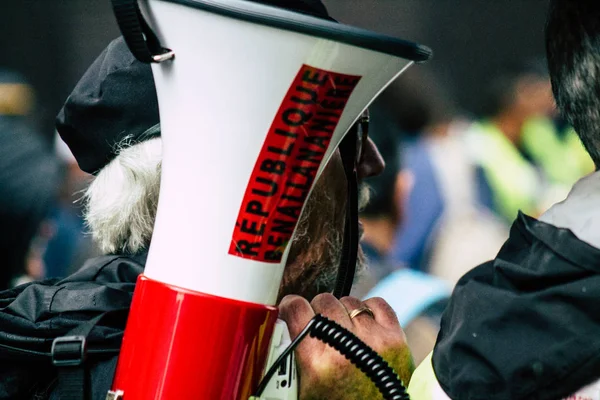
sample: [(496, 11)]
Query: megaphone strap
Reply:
[(138, 35)]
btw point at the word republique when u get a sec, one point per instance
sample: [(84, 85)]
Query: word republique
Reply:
[(288, 162)]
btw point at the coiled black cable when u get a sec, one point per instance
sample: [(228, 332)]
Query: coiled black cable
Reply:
[(361, 355), (366, 359)]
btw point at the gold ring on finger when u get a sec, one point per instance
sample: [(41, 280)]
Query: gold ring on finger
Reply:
[(360, 310)]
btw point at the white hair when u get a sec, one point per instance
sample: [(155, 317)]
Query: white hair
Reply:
[(121, 201)]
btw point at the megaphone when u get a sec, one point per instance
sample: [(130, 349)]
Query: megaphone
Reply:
[(253, 100)]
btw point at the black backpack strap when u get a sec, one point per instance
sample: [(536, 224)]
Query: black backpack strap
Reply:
[(69, 353), (138, 35), (68, 356)]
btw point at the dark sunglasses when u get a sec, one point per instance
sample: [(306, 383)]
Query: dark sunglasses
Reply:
[(361, 130)]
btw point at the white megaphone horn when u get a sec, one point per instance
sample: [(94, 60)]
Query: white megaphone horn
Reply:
[(253, 102)]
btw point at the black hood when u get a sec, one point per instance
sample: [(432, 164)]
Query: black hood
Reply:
[(526, 325)]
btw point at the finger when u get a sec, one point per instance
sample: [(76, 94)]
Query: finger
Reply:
[(328, 306), (383, 312), (351, 303), (362, 319), (296, 311)]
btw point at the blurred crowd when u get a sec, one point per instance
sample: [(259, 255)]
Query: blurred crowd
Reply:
[(42, 232), (454, 182)]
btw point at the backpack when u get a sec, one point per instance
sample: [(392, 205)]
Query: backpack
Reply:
[(60, 339)]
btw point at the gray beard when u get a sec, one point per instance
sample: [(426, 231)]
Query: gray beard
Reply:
[(313, 263)]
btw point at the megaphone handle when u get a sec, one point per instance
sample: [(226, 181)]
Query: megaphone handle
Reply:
[(345, 275), (282, 382), (140, 38)]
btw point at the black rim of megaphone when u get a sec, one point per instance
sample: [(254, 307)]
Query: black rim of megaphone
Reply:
[(281, 18)]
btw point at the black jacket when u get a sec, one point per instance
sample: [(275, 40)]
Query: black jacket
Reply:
[(32, 315), (527, 324)]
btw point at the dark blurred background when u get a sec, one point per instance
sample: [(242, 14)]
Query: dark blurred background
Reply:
[(52, 42)]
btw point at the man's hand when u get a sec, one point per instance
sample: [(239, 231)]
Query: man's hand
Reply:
[(324, 373)]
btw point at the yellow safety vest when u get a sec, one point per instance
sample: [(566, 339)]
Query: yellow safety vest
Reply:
[(565, 160), (424, 385), (513, 180)]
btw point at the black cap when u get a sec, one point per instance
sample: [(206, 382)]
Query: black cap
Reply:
[(116, 100)]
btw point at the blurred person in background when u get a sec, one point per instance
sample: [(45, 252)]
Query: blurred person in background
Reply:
[(68, 245), (29, 177), (410, 108), (526, 163), (417, 298), (448, 226)]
